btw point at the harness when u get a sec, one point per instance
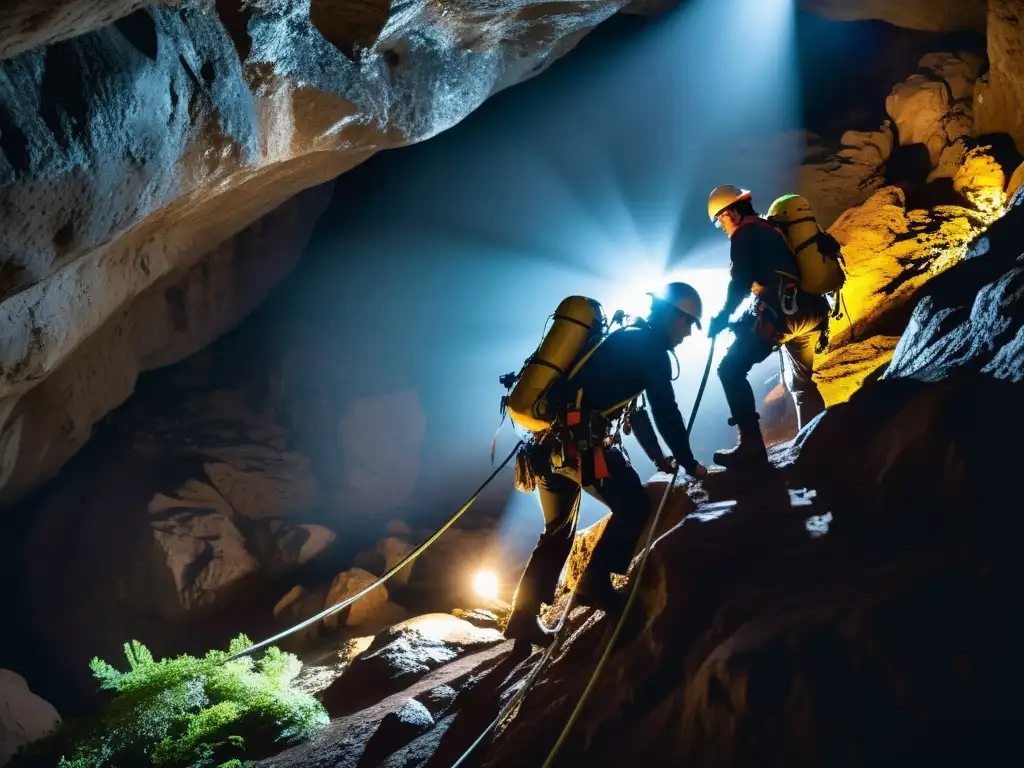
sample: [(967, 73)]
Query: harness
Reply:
[(789, 284), (579, 435)]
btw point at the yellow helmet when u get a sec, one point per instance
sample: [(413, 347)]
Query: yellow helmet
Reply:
[(724, 196), (683, 297)]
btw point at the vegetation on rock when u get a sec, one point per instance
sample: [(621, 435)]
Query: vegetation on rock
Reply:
[(186, 711)]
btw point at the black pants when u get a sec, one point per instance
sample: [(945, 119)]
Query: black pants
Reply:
[(760, 333), (622, 493)]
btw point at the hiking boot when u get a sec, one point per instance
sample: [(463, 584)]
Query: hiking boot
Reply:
[(749, 447), (600, 594), (526, 626)]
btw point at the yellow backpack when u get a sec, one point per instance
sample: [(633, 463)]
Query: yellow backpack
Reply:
[(818, 254)]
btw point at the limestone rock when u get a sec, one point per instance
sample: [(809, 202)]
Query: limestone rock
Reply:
[(131, 150), (846, 178), (30, 23), (203, 549), (362, 611), (980, 179), (24, 716), (999, 95), (42, 425), (889, 253)]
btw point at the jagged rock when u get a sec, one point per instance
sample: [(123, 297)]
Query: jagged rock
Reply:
[(348, 583), (938, 16), (204, 551), (29, 23), (889, 254), (302, 543), (583, 545), (130, 150), (395, 731), (296, 606), (437, 700), (24, 716), (848, 177), (980, 179), (935, 109), (959, 71), (403, 654), (169, 319), (970, 317), (999, 94)]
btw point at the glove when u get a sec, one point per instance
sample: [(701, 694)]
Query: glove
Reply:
[(718, 324), (667, 465)]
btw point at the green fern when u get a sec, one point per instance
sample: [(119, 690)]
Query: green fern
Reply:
[(186, 712)]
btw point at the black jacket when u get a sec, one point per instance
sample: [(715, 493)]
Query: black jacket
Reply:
[(629, 362), (757, 255)]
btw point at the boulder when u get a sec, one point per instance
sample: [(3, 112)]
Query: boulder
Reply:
[(834, 182), (345, 585), (24, 716), (402, 654), (204, 551)]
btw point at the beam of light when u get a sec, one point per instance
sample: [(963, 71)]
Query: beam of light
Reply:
[(440, 262), (486, 584)]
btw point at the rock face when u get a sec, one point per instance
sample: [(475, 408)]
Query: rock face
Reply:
[(845, 606), (24, 717), (127, 151)]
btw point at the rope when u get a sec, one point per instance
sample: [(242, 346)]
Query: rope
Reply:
[(634, 587), (408, 559)]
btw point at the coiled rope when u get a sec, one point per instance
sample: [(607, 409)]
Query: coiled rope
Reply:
[(395, 569)]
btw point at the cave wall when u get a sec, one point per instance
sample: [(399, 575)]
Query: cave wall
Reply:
[(130, 150)]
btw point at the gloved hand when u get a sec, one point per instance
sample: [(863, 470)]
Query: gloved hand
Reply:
[(718, 324), (667, 464), (699, 472)]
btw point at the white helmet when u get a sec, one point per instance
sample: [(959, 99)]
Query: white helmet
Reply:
[(724, 196), (683, 297)]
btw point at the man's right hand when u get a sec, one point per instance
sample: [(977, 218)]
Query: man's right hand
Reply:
[(667, 465)]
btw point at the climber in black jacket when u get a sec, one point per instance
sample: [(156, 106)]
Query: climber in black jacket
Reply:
[(630, 361)]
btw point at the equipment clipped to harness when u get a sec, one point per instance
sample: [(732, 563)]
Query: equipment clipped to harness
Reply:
[(787, 297), (817, 253), (579, 325)]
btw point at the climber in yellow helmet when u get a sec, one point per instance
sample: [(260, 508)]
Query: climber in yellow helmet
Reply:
[(782, 315), (628, 362)]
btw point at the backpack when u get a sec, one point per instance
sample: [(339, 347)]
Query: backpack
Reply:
[(818, 254)]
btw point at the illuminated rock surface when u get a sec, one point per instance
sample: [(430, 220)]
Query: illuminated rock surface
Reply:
[(128, 150)]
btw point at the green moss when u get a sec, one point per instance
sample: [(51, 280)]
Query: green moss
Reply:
[(186, 713)]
